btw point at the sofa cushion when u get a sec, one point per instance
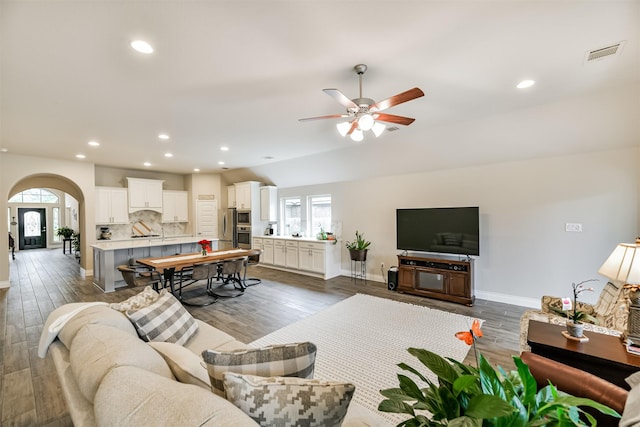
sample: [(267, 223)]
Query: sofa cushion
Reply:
[(96, 314), (186, 366), (211, 338), (142, 299), (98, 348), (289, 401), (631, 413), (286, 360), (164, 320), (131, 396)]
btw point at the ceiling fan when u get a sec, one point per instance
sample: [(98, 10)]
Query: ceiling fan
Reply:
[(364, 113)]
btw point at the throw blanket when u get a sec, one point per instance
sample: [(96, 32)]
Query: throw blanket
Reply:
[(56, 321)]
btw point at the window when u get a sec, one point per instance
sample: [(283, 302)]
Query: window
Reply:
[(319, 213), (55, 215), (291, 215), (35, 195)]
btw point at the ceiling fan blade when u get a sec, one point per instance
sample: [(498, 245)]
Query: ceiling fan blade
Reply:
[(400, 120), (354, 126), (332, 116), (397, 99), (340, 97)]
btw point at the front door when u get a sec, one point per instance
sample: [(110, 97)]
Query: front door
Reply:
[(32, 228)]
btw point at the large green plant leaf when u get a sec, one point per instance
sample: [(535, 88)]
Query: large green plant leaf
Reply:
[(465, 383), (406, 367), (395, 406), (395, 394), (410, 388), (488, 406), (436, 364), (489, 380), (529, 384), (465, 422)]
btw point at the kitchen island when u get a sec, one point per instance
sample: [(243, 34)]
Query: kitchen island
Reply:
[(109, 254)]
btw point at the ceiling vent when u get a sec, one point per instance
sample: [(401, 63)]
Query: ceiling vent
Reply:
[(604, 52), (392, 128)]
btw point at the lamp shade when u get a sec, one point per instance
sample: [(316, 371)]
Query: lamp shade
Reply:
[(623, 265)]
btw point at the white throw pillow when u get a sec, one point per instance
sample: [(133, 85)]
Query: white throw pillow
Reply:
[(143, 299)]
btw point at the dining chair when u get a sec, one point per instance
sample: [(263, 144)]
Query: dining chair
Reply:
[(253, 259), (134, 277), (198, 273), (230, 273)]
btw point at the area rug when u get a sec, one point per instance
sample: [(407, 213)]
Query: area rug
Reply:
[(363, 338)]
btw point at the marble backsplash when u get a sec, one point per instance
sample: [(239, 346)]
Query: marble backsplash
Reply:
[(152, 219)]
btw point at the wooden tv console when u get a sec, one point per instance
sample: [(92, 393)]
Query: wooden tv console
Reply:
[(440, 278)]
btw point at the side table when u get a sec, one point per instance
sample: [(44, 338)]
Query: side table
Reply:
[(603, 355), (64, 246)]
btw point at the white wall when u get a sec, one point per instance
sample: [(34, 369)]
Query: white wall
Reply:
[(524, 205)]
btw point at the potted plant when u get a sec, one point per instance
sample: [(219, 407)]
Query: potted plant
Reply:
[(576, 317), (358, 248), (479, 396), (65, 232)]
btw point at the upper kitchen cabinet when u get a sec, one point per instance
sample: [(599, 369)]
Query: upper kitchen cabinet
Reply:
[(231, 196), (269, 203), (175, 206), (145, 194), (247, 195), (111, 205)]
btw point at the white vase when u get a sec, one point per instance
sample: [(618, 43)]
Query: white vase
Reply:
[(575, 329)]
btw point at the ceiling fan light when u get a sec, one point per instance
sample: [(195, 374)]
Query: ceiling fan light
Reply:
[(365, 122), (357, 135), (343, 128), (378, 128)]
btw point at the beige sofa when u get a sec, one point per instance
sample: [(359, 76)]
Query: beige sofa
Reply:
[(110, 377)]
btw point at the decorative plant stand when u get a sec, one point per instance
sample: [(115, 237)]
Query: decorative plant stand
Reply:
[(359, 270)]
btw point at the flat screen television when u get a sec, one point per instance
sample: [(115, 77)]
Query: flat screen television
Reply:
[(439, 230)]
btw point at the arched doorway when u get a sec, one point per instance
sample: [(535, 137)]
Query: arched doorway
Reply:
[(62, 184)]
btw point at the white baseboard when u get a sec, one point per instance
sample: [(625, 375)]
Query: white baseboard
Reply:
[(5, 284)]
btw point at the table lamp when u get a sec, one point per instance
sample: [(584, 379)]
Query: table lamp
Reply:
[(623, 266)]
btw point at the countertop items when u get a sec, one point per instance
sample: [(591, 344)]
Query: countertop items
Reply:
[(145, 242), (297, 239)]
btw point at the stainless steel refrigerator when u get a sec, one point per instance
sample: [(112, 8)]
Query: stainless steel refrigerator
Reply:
[(228, 224)]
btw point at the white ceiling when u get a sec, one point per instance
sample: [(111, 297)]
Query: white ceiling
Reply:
[(241, 73)]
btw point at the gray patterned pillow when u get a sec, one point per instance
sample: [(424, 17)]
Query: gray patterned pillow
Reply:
[(164, 320), (286, 360), (289, 401), (142, 299)]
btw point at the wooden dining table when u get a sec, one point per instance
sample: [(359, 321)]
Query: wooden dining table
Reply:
[(168, 266)]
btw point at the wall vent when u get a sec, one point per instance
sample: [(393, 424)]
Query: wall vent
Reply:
[(604, 52)]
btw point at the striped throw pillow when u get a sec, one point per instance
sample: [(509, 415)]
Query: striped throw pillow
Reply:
[(164, 320), (286, 360)]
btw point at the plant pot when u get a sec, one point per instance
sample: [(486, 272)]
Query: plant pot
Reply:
[(575, 329), (358, 254)]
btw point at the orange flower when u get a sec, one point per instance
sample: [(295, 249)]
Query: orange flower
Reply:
[(471, 334)]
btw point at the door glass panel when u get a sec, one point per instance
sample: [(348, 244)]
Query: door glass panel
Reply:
[(32, 224)]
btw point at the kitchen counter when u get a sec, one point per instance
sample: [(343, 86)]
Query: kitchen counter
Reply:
[(108, 255), (140, 242), (297, 239)]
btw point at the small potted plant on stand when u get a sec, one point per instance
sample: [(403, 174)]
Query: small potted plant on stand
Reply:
[(576, 317), (358, 248), (65, 232)]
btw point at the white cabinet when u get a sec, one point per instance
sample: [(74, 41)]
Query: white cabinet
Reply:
[(247, 195), (175, 206), (111, 205), (279, 253), (231, 196), (266, 246), (269, 203), (311, 257), (291, 258), (145, 194)]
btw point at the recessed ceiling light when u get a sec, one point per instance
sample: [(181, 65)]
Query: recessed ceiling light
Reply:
[(223, 148), (4, 150), (141, 46), (147, 164), (93, 143), (80, 156), (196, 170), (221, 163), (168, 155), (525, 84), (163, 136)]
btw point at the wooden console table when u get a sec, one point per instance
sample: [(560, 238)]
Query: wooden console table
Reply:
[(603, 355), (441, 278)]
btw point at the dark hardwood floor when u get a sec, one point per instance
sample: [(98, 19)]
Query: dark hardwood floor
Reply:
[(42, 280)]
